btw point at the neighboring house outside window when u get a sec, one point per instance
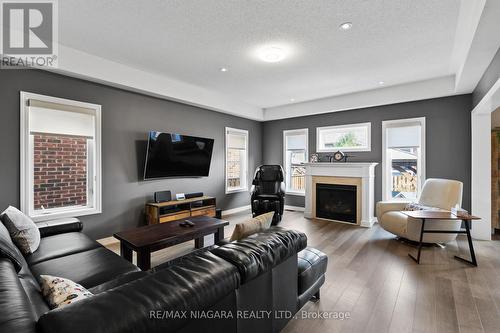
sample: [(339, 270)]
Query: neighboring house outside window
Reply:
[(295, 152)]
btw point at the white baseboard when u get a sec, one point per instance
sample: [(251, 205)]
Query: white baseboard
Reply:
[(295, 208), (235, 210)]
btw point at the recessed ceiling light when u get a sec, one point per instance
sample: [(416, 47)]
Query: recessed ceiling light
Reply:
[(292, 99), (223, 69), (381, 83), (272, 53), (345, 26)]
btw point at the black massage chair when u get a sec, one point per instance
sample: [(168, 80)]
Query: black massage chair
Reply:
[(268, 191)]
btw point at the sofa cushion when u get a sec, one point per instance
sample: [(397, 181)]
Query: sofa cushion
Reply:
[(60, 245), (22, 229), (118, 281), (9, 250), (311, 264), (60, 292), (262, 251), (16, 313), (251, 226), (88, 268)]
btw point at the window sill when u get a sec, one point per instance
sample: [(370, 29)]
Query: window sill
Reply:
[(65, 213), (236, 190), (301, 194)]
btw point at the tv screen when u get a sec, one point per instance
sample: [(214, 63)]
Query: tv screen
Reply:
[(176, 155)]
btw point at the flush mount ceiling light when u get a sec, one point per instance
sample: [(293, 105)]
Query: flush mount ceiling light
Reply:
[(381, 83), (272, 53), (345, 26), (223, 69), (292, 99)]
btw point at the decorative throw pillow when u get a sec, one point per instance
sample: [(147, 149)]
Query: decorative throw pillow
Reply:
[(9, 250), (252, 226), (416, 206), (22, 230), (59, 292)]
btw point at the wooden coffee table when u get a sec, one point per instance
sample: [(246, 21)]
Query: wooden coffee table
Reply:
[(425, 215), (147, 239)]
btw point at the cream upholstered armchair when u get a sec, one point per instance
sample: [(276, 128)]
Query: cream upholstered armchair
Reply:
[(438, 193)]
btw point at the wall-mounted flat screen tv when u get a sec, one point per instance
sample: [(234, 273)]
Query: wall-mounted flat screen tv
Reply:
[(176, 155)]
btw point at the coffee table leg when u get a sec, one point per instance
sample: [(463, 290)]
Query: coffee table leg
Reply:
[(419, 243), (199, 242), (219, 235), (144, 260), (471, 247), (125, 252)]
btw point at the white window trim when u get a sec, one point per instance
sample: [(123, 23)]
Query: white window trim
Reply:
[(242, 188), (368, 125), (385, 180), (291, 132), (26, 175)]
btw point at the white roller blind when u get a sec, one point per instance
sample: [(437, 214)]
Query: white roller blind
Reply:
[(297, 141), (404, 136), (236, 140), (43, 120)]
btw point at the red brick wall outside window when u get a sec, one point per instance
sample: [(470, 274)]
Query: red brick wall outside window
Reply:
[(60, 170)]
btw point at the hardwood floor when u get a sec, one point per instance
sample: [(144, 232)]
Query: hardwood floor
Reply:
[(371, 277)]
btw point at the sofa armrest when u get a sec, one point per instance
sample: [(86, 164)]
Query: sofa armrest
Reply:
[(262, 251), (389, 206), (59, 226)]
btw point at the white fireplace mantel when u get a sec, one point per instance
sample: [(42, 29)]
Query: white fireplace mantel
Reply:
[(365, 171)]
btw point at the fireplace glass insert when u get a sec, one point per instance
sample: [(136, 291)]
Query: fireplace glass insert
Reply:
[(336, 202)]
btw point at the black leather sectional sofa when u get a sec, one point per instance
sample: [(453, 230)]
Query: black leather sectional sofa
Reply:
[(245, 286)]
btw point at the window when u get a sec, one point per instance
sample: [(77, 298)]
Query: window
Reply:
[(403, 160), (354, 137), (295, 154), (236, 160), (60, 157)]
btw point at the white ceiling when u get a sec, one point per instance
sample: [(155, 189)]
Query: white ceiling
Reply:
[(188, 41)]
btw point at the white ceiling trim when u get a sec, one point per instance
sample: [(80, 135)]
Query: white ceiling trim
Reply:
[(476, 42), (433, 88), (79, 64)]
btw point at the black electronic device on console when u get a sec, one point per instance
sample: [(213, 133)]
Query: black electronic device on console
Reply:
[(162, 196), (193, 195)]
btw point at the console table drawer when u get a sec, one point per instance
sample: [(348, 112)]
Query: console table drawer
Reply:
[(174, 217), (208, 211)]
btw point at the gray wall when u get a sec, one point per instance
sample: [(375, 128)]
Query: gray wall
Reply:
[(126, 119), (489, 78), (448, 137)]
